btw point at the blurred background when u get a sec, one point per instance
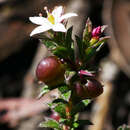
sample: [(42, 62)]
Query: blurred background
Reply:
[(20, 54)]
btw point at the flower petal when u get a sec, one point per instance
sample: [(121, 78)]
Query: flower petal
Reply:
[(59, 27), (68, 15), (40, 29), (57, 12), (39, 20)]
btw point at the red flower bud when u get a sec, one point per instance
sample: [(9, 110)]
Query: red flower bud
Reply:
[(96, 31), (50, 71)]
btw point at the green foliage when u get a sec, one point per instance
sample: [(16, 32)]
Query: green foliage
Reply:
[(65, 92), (60, 108), (49, 44), (51, 124), (45, 89), (78, 123), (87, 32), (80, 106), (92, 50), (63, 52), (81, 48), (69, 39)]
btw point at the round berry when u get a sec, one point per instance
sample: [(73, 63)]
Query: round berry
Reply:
[(51, 71), (55, 116), (91, 89)]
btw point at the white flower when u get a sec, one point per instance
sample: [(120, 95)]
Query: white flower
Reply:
[(53, 21)]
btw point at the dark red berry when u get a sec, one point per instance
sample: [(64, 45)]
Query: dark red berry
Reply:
[(91, 89), (55, 116), (51, 71)]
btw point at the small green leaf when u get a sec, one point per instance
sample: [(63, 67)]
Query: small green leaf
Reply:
[(63, 52), (66, 96), (69, 40), (62, 120), (49, 44), (78, 123), (59, 38), (91, 51), (86, 102), (65, 92), (87, 32), (81, 47), (84, 122), (80, 106), (45, 89), (60, 108), (101, 41), (63, 89), (50, 124), (75, 125)]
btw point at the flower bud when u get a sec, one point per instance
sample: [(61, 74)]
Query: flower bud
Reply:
[(96, 31), (50, 71)]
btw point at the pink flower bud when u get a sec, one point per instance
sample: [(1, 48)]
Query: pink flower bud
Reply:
[(96, 31)]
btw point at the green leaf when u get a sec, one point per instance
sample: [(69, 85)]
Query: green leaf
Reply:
[(80, 106), (78, 123), (49, 44), (62, 120), (63, 89), (63, 52), (69, 40), (59, 38), (86, 102), (60, 108), (84, 122), (56, 102), (87, 32), (66, 96), (100, 42), (81, 47), (45, 89), (91, 51), (75, 125), (65, 92), (51, 124)]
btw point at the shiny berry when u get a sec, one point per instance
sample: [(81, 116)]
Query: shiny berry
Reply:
[(51, 71), (91, 89), (55, 116)]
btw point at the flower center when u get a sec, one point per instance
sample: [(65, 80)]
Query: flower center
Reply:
[(51, 18)]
